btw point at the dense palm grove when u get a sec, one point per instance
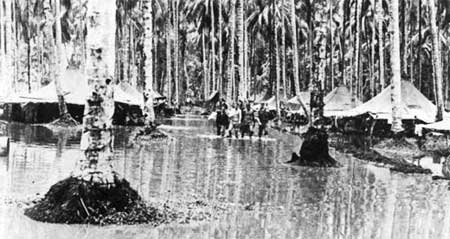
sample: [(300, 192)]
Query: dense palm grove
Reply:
[(191, 48)]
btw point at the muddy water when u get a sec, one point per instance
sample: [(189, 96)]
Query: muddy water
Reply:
[(358, 200)]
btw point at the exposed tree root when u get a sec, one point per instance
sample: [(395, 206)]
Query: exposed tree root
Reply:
[(65, 120)]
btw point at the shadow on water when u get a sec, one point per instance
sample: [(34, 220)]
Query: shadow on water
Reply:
[(267, 199)]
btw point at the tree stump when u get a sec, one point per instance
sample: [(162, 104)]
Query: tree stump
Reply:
[(314, 150)]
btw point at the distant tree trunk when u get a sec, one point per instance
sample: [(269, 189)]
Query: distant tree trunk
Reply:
[(168, 56), (240, 36), (283, 49), (380, 17), (220, 53), (357, 76), (231, 51), (3, 80), (419, 51), (213, 47), (437, 61), (295, 56), (396, 68), (176, 51), (205, 66), (330, 22), (9, 70), (277, 69), (372, 50), (58, 67), (28, 46)]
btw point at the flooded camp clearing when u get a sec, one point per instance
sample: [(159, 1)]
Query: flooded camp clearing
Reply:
[(242, 186)]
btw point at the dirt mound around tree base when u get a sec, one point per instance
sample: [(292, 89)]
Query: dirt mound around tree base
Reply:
[(73, 200)]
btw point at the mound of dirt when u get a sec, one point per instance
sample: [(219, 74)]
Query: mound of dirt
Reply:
[(73, 200)]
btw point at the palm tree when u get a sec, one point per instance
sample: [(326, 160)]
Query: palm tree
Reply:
[(295, 55), (220, 53), (176, 49), (231, 78), (283, 49), (148, 64), (64, 114), (437, 63), (240, 37), (380, 21), (213, 50), (396, 69), (357, 76)]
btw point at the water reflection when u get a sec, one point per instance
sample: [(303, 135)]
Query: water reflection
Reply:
[(358, 200)]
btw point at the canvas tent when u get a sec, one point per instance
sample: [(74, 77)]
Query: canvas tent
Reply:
[(414, 105), (338, 101), (75, 92), (294, 105)]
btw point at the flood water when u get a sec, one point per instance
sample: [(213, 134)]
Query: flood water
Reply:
[(358, 200)]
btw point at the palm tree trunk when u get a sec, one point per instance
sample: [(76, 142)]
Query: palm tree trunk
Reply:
[(240, 36), (330, 22), (230, 84), (396, 69), (220, 53), (380, 43), (8, 73), (205, 66), (372, 51), (357, 76), (168, 58), (213, 47), (58, 68), (437, 61), (148, 63), (283, 50), (99, 109), (295, 56), (419, 51), (277, 69), (176, 51)]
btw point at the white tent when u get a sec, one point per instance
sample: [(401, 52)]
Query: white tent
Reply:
[(414, 105)]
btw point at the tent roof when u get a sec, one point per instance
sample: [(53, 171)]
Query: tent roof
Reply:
[(75, 91), (413, 105), (441, 126), (294, 105), (338, 101)]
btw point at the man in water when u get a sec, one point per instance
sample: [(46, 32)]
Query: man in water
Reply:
[(248, 121), (235, 116), (222, 120), (262, 119)]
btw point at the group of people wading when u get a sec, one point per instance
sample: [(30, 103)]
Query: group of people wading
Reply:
[(241, 119)]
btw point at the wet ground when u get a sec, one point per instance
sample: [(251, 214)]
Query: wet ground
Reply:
[(267, 199)]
